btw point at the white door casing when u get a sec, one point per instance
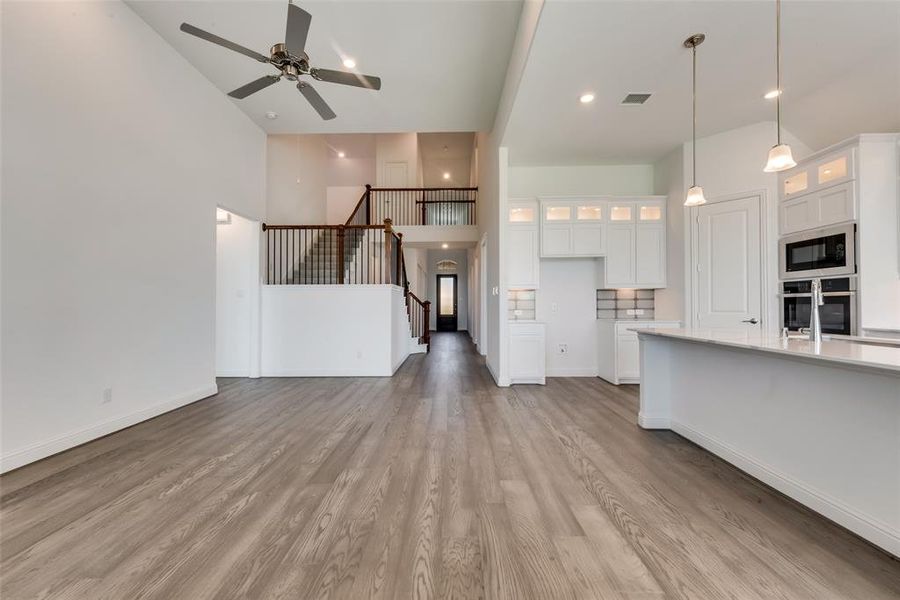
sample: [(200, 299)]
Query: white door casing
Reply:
[(727, 263)]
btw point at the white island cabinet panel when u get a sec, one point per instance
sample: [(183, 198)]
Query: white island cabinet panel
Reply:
[(818, 422)]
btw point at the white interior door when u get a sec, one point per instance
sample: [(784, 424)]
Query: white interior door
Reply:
[(727, 264), (396, 174)]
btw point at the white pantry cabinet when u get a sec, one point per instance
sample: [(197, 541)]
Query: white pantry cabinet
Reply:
[(527, 352), (636, 244), (619, 350), (573, 227), (523, 258)]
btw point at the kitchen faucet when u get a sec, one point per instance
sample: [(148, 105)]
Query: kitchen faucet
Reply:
[(816, 300)]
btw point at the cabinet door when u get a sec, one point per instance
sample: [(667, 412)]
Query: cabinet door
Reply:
[(650, 256), (556, 240), (588, 240), (523, 257), (800, 213), (837, 204), (527, 356), (619, 255), (628, 363)]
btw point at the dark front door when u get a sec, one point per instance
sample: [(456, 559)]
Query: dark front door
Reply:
[(446, 301)]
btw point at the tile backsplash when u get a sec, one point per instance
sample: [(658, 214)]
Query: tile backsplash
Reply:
[(625, 304), (521, 305)]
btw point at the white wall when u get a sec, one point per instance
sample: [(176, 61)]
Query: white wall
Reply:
[(400, 332), (573, 180), (237, 280), (493, 195), (319, 330), (567, 303), (340, 202), (668, 180), (462, 303), (110, 179), (297, 178)]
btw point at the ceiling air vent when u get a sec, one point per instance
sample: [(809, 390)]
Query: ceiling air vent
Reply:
[(635, 98)]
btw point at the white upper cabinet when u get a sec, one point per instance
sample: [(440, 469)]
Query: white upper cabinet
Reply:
[(573, 227), (523, 260), (819, 192), (636, 244)]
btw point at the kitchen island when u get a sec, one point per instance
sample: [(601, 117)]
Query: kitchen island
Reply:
[(818, 422)]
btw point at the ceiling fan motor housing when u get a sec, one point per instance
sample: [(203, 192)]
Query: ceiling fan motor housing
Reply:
[(291, 66)]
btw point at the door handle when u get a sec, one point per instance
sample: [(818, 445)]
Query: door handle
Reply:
[(751, 320)]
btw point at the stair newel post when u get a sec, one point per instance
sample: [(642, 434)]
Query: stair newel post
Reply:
[(427, 324), (388, 242), (340, 255), (368, 204)]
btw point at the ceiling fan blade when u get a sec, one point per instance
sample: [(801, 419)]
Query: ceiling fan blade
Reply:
[(316, 100), (253, 86), (346, 78), (297, 29), (211, 37)]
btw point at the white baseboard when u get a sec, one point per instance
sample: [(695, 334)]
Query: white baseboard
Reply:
[(880, 534), (572, 372), (497, 380), (651, 422), (326, 373), (35, 452), (233, 373), (399, 363)]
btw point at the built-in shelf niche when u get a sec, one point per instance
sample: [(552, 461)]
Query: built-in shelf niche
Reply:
[(522, 305), (626, 304)]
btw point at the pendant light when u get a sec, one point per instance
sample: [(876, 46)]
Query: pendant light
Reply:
[(695, 193), (780, 157)]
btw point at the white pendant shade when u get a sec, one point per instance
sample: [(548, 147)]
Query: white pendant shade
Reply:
[(780, 158), (695, 197)]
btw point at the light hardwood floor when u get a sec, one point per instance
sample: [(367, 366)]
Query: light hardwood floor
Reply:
[(433, 483)]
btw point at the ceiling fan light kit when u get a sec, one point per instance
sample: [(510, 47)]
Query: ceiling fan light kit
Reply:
[(292, 62)]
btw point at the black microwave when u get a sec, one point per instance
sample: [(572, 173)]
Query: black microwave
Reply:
[(819, 253)]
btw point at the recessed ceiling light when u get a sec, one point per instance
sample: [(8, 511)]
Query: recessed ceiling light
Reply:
[(586, 98), (445, 246), (349, 63), (341, 155), (271, 115), (446, 175), (772, 94)]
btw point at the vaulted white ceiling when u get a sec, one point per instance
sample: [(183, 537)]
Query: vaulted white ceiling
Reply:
[(841, 75), (442, 64)]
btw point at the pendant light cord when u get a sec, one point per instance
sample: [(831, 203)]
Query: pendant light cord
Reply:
[(778, 67), (694, 110)]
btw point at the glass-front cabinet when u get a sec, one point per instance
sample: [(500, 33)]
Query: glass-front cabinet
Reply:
[(811, 176), (573, 227), (523, 258)]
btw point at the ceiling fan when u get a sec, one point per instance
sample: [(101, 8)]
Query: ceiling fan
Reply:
[(292, 62)]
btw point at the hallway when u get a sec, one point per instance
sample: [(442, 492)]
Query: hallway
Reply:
[(433, 483)]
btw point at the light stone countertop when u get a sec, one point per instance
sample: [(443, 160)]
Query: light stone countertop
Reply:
[(880, 356)]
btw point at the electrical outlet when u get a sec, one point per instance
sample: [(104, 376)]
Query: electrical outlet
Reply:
[(358, 354), (563, 348), (554, 307), (107, 396)]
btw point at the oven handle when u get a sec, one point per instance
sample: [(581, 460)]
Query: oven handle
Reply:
[(825, 294)]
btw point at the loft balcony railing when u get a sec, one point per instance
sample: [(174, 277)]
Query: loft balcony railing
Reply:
[(416, 206)]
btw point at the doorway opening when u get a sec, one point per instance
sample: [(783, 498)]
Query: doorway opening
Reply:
[(448, 300), (237, 295)]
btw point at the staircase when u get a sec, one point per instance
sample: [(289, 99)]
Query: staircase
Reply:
[(362, 253)]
